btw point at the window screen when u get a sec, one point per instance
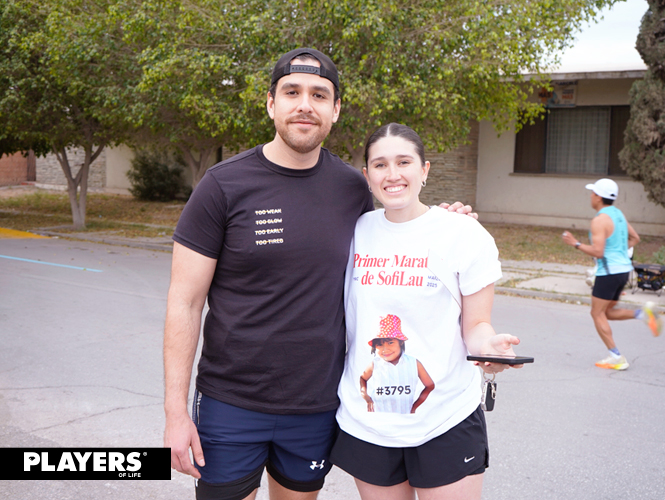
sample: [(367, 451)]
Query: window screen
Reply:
[(582, 140), (578, 141)]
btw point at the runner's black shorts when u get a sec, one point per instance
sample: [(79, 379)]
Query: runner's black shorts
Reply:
[(446, 459), (238, 444), (610, 286)]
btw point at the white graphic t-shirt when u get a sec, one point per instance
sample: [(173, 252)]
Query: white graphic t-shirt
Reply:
[(404, 340)]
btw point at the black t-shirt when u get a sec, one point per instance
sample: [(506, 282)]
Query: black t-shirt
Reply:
[(274, 337)]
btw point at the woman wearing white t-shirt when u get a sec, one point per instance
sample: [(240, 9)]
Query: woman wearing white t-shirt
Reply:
[(435, 271)]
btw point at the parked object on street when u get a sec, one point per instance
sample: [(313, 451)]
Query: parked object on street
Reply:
[(649, 277)]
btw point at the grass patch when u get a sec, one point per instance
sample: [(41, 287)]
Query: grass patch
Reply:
[(544, 244), (128, 217), (123, 215)]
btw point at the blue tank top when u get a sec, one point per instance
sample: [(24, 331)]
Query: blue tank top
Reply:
[(615, 259)]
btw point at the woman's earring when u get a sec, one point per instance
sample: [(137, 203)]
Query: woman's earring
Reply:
[(424, 183), (369, 187)]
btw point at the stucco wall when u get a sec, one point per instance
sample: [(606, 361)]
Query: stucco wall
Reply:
[(550, 200), (118, 162), (557, 200)]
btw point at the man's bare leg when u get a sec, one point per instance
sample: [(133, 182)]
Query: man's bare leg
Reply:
[(599, 308)]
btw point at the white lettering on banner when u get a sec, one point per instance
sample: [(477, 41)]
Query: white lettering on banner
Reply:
[(76, 462)]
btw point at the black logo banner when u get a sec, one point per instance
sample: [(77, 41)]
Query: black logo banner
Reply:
[(85, 463)]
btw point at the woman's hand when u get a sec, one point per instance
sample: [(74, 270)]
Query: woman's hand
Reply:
[(498, 344)]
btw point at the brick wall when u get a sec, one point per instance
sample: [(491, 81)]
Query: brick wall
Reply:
[(16, 168), (453, 175), (49, 171)]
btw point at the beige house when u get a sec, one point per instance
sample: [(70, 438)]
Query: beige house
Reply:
[(537, 176)]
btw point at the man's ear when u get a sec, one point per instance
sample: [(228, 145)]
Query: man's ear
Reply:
[(270, 106), (336, 110)]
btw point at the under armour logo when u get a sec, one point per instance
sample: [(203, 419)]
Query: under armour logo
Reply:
[(315, 465)]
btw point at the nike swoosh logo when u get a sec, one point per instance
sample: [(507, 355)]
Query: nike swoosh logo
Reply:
[(467, 460)]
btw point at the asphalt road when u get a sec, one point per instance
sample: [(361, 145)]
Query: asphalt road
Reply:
[(80, 365)]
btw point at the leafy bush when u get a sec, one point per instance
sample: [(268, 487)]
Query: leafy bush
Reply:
[(658, 257), (155, 177)]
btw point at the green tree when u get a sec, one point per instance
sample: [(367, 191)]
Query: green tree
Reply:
[(194, 56), (643, 155), (432, 64), (60, 86)]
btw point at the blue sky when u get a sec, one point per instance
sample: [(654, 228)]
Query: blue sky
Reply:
[(608, 45)]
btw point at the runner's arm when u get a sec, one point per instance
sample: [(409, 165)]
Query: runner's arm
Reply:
[(633, 237)]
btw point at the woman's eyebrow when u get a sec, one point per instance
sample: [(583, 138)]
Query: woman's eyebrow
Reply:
[(383, 158)]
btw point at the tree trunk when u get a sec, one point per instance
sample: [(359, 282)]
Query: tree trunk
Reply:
[(198, 166), (77, 200)]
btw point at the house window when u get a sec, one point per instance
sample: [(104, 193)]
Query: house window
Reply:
[(577, 141)]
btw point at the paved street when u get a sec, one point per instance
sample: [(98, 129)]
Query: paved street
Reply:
[(80, 365)]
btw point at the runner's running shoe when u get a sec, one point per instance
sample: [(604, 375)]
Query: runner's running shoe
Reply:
[(652, 319), (612, 363)]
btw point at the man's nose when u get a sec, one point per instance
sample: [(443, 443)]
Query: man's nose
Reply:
[(305, 104)]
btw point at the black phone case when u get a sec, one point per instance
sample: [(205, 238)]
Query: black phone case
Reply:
[(516, 360)]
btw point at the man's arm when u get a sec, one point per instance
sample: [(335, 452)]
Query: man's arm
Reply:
[(191, 275), (601, 229), (633, 237)]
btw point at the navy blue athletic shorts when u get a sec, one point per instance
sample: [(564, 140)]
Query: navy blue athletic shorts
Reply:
[(610, 286), (237, 445), (462, 451)]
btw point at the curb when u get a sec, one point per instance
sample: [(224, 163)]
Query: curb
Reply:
[(564, 297), (147, 245)]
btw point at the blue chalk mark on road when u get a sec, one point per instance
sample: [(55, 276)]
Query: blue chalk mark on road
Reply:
[(52, 264)]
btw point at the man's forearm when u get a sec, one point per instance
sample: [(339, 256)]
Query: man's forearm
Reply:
[(181, 336)]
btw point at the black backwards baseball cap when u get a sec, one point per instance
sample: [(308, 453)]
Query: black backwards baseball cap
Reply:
[(284, 67)]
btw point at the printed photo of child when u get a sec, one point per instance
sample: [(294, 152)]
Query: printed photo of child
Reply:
[(395, 374)]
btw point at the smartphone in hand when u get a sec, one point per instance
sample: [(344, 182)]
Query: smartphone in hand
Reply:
[(501, 358)]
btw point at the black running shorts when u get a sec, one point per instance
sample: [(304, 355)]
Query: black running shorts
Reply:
[(446, 459)]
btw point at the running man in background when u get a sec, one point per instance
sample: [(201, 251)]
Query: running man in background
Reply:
[(611, 236)]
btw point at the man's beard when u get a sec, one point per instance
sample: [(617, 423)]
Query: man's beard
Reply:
[(300, 142)]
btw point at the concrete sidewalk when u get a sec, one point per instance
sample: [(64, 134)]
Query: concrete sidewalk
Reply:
[(565, 282), (524, 278)]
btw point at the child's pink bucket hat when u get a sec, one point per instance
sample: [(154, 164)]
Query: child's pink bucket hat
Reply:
[(390, 327)]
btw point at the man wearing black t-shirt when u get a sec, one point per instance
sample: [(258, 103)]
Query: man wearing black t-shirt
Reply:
[(265, 238)]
